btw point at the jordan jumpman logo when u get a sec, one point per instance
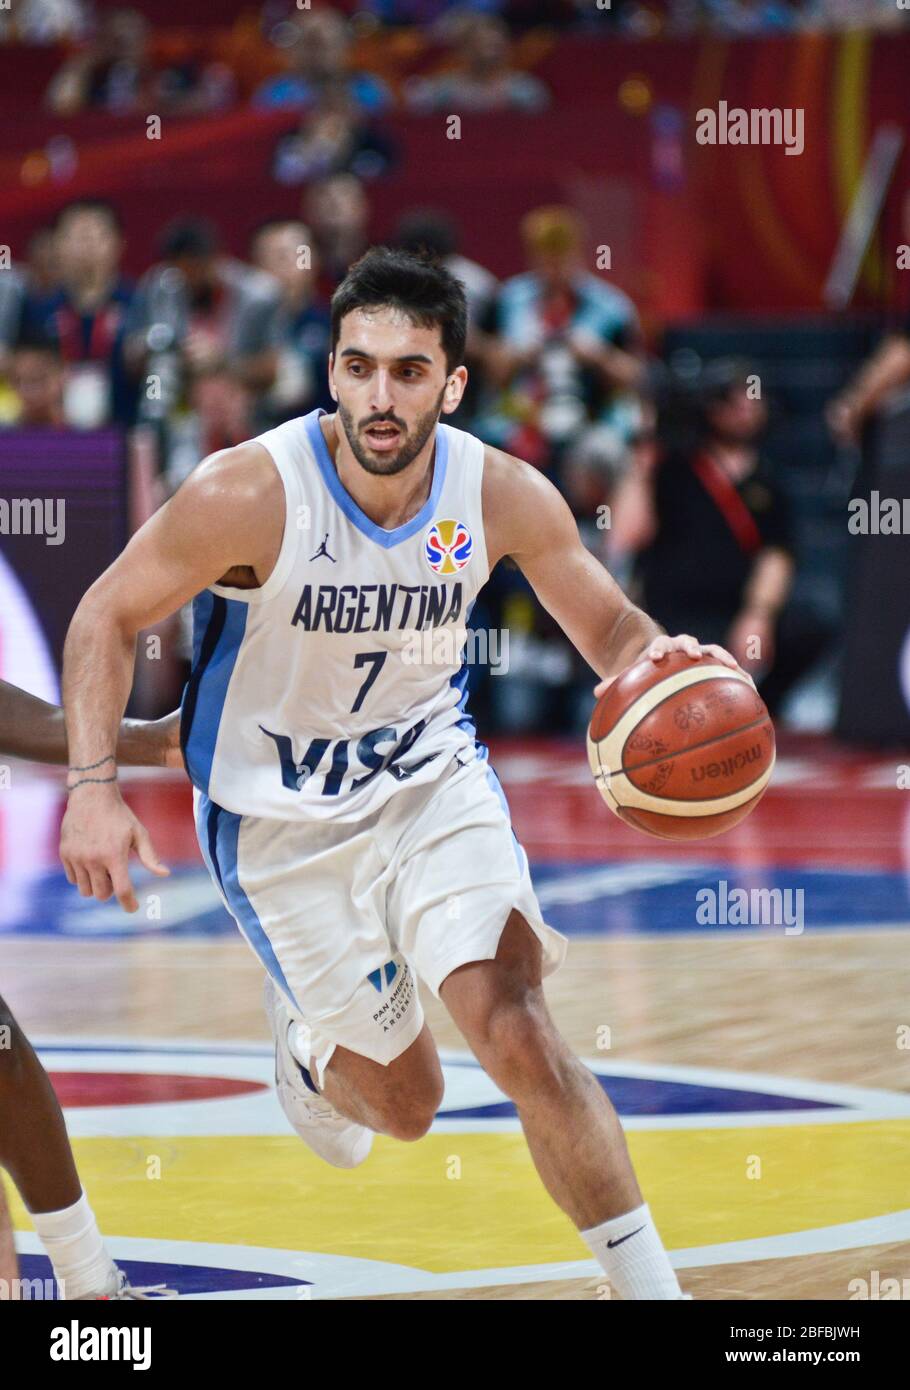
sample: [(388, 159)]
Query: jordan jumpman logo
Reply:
[(323, 550)]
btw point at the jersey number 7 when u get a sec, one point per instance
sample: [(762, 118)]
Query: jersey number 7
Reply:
[(376, 661)]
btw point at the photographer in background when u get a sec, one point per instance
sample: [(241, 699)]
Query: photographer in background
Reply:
[(198, 309), (284, 248), (563, 348), (711, 528)]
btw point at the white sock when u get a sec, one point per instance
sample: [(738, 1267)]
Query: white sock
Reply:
[(73, 1242), (631, 1254)]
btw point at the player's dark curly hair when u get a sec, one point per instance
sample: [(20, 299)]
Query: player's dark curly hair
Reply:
[(415, 283)]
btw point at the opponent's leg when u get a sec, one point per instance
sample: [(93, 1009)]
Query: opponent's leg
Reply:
[(9, 1267), (35, 1151), (573, 1133)]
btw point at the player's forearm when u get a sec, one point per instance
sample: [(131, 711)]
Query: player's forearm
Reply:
[(628, 639), (98, 661), (33, 729), (148, 743), (29, 727)]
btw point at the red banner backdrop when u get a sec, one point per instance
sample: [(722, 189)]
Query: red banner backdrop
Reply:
[(690, 227)]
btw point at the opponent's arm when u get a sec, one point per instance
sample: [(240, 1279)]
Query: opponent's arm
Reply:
[(229, 512), (31, 728), (526, 518)]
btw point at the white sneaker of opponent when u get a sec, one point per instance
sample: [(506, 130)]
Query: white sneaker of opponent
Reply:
[(121, 1289), (331, 1135)]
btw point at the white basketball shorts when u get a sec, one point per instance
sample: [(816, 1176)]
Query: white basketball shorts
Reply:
[(344, 915)]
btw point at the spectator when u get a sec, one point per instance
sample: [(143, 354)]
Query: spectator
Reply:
[(333, 138), (284, 249), (841, 15), (563, 348), (751, 16), (113, 72), (219, 415), (434, 231), (426, 12), (37, 378), (43, 21), (41, 261), (887, 370), (38, 277), (85, 315), (319, 53), (198, 308), (116, 73), (481, 79), (712, 529), (337, 212), (13, 282)]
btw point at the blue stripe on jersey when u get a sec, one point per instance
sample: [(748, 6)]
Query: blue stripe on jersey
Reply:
[(496, 786), (219, 834), (350, 508), (218, 627), (459, 679)]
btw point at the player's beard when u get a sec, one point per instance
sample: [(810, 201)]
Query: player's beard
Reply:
[(387, 465)]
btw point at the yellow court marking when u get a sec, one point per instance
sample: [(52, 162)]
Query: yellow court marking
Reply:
[(401, 1206)]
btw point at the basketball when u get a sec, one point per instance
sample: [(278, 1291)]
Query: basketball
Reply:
[(681, 749)]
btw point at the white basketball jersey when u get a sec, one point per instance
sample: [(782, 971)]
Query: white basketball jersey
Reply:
[(342, 677)]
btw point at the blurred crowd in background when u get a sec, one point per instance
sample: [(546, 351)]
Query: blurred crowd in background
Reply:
[(50, 21), (668, 477)]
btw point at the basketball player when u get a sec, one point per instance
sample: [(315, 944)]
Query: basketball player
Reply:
[(346, 812), (34, 1145)]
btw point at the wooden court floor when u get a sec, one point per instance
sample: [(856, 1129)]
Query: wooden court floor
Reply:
[(763, 1077)]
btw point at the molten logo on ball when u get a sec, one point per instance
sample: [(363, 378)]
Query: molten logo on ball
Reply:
[(727, 766), (682, 749)]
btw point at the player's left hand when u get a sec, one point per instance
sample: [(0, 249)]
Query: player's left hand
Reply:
[(690, 646)]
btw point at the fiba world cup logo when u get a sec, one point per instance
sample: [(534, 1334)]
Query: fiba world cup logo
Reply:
[(448, 546)]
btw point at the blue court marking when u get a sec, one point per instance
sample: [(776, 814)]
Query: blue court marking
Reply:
[(185, 1279), (571, 901), (848, 899), (634, 1096), (638, 1095), (53, 907), (641, 1095)]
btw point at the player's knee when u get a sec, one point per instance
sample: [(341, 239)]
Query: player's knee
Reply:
[(408, 1125), (408, 1112)]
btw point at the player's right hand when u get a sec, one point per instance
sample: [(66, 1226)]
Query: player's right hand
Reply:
[(98, 834)]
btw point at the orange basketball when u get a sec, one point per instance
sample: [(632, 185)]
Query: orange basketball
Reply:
[(680, 748)]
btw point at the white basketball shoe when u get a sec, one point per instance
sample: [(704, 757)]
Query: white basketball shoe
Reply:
[(121, 1289), (331, 1135)]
